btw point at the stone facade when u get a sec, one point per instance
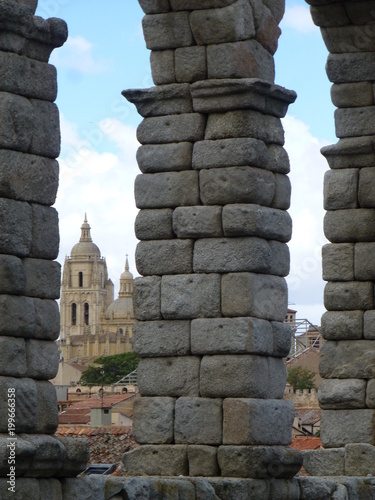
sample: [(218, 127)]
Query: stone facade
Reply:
[(93, 324), (214, 192)]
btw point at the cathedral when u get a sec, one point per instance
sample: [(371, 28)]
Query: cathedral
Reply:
[(93, 324)]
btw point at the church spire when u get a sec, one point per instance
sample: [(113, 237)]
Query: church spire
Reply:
[(127, 264), (85, 231)]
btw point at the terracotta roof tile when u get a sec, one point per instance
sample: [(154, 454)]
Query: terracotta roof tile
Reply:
[(306, 443)]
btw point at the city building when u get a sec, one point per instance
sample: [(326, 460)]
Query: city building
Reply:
[(93, 324)]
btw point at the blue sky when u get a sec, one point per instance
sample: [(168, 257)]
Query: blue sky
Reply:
[(105, 54)]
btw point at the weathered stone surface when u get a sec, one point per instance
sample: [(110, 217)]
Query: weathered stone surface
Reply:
[(199, 4), (245, 123), (370, 394), (26, 488), (12, 323), (338, 262), (45, 233), (28, 177), (278, 159), (49, 455), (350, 152), (24, 453), (42, 278), (46, 129), (167, 31), (348, 359), (342, 226), (241, 489), (15, 227), (153, 420), (247, 59), (340, 427), (26, 77), (42, 358), (257, 422), (47, 319), (364, 268), (335, 394), (223, 186), (161, 338), (345, 68), (187, 127), (154, 224), (17, 131), (162, 67), (229, 94), (366, 195), (202, 461), (26, 404), (146, 298), (255, 220), (257, 295), (330, 462), (92, 486), (283, 189), (230, 153), (164, 157), (232, 336), (242, 376), (190, 63), (13, 357), (228, 24), (161, 100), (50, 488), (359, 459), (351, 122), (340, 189), (160, 257), (46, 411), (343, 325), (12, 275), (198, 421), (282, 339), (150, 487), (154, 7), (164, 190), (172, 377), (190, 296), (259, 461), (347, 39), (329, 15), (349, 295), (348, 95), (232, 255), (162, 460), (197, 222), (369, 325)]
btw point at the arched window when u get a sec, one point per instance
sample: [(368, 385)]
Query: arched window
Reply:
[(86, 314), (74, 314), (121, 331), (80, 279), (124, 287)]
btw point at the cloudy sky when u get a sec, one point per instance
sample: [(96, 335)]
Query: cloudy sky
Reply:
[(105, 53)]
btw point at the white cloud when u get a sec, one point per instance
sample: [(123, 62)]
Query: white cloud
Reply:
[(307, 171), (77, 55), (299, 19)]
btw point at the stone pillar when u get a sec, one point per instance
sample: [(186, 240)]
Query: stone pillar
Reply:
[(347, 393), (29, 241), (213, 226)]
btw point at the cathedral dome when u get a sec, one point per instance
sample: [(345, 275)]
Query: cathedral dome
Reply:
[(121, 308), (85, 247)]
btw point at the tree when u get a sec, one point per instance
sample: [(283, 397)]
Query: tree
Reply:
[(300, 378), (114, 367)]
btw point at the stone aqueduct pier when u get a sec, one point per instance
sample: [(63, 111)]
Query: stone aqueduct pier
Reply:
[(214, 194)]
